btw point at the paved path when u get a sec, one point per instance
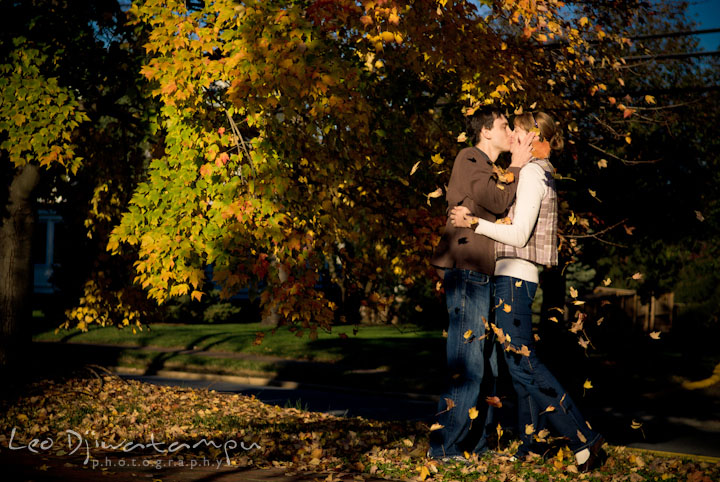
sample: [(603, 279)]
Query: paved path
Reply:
[(662, 432)]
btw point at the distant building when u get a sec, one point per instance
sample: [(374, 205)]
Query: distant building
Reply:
[(44, 259)]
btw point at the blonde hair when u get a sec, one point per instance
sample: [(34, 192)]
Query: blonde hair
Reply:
[(545, 124)]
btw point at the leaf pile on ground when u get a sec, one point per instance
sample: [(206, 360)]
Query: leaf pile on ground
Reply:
[(157, 422)]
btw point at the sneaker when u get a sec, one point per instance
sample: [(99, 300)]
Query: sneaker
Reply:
[(597, 458)]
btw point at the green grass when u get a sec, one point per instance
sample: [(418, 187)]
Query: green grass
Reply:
[(376, 357), (240, 338)]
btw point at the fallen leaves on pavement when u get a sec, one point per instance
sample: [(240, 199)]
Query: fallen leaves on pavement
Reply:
[(111, 412)]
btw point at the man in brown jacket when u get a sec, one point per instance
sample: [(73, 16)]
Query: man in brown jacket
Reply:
[(467, 261)]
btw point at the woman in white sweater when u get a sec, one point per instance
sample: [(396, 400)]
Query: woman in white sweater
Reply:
[(526, 239)]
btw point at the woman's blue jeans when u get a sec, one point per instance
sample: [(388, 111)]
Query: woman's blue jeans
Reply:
[(468, 296), (537, 389)]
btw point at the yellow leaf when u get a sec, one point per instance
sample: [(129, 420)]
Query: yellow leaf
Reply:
[(436, 193), (550, 408), (552, 318), (529, 429), (628, 139), (518, 283), (635, 424), (473, 413), (698, 215), (573, 292), (584, 21), (414, 168), (507, 308), (655, 335), (581, 436), (436, 426), (587, 385), (637, 276), (462, 137), (607, 281), (196, 295), (387, 37), (407, 442), (649, 99), (468, 334), (437, 159), (424, 473)]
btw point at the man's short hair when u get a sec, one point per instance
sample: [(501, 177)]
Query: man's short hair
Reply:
[(483, 117)]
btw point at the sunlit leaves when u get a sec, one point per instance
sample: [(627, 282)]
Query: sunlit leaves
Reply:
[(37, 115)]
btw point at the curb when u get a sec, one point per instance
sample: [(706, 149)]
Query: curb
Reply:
[(268, 382), (661, 453)]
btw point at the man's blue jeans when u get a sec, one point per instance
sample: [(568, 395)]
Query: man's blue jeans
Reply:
[(537, 389), (468, 296)]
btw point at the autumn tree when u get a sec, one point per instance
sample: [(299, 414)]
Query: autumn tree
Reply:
[(305, 136), (71, 90)]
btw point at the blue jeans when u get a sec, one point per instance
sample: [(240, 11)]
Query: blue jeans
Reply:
[(537, 388), (468, 296)]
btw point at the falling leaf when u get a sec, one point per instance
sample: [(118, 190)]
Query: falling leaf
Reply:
[(587, 385), (529, 429), (636, 425), (628, 139), (606, 282), (602, 163), (699, 216), (583, 21), (507, 308), (655, 335), (524, 351), (600, 320), (436, 426), (578, 302), (533, 105), (518, 283), (418, 308), (549, 409), (494, 401), (414, 168), (499, 431), (627, 113), (450, 403), (581, 436), (473, 413), (552, 318), (468, 334), (649, 99), (462, 137), (573, 292), (583, 342), (436, 193), (438, 286), (407, 442), (637, 276), (437, 159)]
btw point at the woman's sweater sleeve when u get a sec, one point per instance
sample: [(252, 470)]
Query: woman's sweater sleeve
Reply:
[(530, 192)]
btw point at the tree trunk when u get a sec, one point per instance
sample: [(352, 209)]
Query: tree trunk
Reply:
[(18, 220)]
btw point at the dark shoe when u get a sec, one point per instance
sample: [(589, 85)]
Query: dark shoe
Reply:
[(597, 458)]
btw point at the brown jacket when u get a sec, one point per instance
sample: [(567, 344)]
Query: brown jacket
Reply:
[(473, 184)]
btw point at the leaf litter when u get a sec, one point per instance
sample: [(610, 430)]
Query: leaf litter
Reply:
[(112, 410)]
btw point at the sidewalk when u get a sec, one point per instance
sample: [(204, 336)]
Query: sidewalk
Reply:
[(22, 466)]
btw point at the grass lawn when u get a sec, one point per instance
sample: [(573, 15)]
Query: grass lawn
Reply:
[(240, 338), (381, 357)]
